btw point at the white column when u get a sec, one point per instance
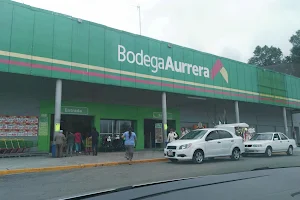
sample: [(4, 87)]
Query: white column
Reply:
[(57, 114), (237, 112), (164, 116), (285, 121)]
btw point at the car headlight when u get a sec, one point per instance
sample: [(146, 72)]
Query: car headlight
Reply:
[(257, 145), (185, 146)]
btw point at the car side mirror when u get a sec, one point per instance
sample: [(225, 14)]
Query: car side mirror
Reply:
[(275, 139)]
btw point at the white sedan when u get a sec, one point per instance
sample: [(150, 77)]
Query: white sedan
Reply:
[(205, 143), (267, 143)]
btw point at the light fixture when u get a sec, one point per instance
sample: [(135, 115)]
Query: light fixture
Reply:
[(198, 98)]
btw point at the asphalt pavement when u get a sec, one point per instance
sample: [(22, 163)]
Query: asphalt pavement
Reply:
[(54, 185)]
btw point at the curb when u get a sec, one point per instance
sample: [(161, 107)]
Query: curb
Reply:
[(79, 166)]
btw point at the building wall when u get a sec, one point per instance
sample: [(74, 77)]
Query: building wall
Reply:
[(30, 95), (261, 117), (43, 43)]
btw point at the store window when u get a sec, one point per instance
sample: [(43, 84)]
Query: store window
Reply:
[(108, 126)]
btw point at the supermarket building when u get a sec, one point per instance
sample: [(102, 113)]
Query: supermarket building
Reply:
[(112, 79)]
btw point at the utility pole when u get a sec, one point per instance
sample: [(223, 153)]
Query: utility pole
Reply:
[(140, 21)]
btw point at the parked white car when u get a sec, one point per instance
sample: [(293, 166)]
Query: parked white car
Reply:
[(205, 143), (269, 142)]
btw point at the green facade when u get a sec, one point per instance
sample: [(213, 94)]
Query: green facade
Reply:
[(103, 111), (42, 43)]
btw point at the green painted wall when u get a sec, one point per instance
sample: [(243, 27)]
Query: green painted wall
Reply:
[(106, 111), (42, 43)]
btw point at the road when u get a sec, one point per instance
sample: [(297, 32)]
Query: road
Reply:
[(52, 185)]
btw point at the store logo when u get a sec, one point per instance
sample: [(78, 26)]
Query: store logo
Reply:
[(218, 67), (157, 63)]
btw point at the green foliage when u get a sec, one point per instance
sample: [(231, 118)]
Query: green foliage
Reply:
[(266, 56)]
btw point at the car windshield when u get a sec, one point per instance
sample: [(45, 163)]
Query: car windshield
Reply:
[(195, 134), (262, 137)]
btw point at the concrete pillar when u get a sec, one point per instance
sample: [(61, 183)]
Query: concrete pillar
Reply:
[(285, 121), (58, 94), (164, 116), (237, 112)]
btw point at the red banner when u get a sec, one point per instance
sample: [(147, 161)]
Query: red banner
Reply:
[(19, 125)]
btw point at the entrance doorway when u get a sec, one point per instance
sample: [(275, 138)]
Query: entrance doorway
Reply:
[(73, 123), (149, 132)]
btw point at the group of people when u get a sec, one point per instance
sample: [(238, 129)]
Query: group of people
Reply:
[(129, 137), (74, 139), (172, 135)]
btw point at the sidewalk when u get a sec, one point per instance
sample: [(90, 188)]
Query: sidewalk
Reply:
[(47, 161)]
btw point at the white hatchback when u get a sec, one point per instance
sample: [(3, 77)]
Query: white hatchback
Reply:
[(267, 143), (205, 143)]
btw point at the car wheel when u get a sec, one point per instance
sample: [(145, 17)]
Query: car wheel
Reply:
[(198, 157), (173, 160), (290, 151), (235, 154), (268, 152)]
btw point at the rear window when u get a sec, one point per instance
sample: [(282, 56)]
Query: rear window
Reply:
[(262, 137), (195, 134)]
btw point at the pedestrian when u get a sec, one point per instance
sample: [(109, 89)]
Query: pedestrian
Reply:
[(172, 136), (130, 142), (70, 143), (95, 139), (60, 140), (78, 140), (183, 131)]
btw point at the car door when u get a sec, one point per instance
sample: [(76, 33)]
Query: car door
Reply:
[(227, 141), (285, 141), (277, 143), (213, 145)]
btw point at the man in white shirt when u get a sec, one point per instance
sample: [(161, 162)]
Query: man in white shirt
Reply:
[(172, 136)]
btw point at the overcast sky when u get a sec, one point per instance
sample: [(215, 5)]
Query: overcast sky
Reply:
[(229, 28)]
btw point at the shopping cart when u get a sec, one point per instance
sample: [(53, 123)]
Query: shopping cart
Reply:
[(88, 146)]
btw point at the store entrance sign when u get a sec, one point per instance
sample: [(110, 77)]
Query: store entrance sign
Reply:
[(158, 115), (71, 110)]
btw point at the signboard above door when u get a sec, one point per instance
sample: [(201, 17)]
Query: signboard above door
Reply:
[(72, 110), (158, 115)]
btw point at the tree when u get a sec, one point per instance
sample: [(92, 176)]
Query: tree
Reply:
[(266, 56), (295, 51), (287, 59)]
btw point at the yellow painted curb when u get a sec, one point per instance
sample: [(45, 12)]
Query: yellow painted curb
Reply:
[(80, 166)]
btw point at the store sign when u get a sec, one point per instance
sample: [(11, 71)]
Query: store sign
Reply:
[(157, 63), (158, 115), (43, 125), (158, 133), (168, 64), (71, 110)]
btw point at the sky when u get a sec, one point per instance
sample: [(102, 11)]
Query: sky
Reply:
[(227, 28)]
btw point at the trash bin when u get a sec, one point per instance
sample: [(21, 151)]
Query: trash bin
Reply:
[(53, 149)]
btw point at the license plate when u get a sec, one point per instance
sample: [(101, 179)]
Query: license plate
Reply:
[(248, 150), (170, 153)]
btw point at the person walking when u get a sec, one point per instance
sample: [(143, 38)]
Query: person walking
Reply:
[(95, 139), (77, 142), (130, 142), (60, 140), (172, 136), (70, 143)]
